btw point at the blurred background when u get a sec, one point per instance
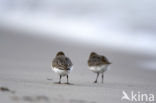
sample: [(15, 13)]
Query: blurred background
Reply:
[(127, 26), (119, 24), (33, 31)]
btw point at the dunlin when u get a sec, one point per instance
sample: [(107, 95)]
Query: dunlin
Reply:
[(98, 64), (62, 65)]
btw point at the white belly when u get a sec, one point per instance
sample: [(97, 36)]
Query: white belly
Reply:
[(98, 69), (61, 72)]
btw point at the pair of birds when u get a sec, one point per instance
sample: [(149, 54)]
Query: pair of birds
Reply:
[(62, 65)]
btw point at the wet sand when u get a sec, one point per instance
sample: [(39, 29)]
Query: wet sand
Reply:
[(25, 69)]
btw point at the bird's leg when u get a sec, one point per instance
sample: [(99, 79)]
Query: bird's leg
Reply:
[(102, 77), (67, 80), (96, 78), (60, 79)]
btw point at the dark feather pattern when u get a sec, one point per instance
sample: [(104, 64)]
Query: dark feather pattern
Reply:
[(97, 60), (62, 62)]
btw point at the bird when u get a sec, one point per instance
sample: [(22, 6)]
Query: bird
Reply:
[(98, 64), (61, 65)]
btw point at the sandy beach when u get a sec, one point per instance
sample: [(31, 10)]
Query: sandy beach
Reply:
[(25, 70)]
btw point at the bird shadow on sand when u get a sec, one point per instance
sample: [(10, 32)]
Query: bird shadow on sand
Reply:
[(108, 85), (63, 83), (80, 84)]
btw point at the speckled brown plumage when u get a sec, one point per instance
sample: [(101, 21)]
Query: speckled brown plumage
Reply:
[(61, 65), (97, 60), (98, 64), (61, 61)]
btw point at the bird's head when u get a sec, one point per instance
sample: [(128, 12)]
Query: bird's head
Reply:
[(60, 53), (92, 54)]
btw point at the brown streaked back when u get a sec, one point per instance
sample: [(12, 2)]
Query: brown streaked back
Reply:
[(97, 60), (62, 62)]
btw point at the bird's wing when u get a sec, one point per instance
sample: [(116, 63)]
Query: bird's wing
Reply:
[(69, 63)]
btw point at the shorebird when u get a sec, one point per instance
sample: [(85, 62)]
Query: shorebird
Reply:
[(61, 65), (98, 64)]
